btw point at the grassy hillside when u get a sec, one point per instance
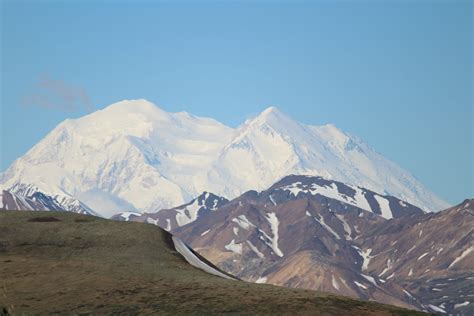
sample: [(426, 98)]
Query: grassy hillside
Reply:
[(66, 263)]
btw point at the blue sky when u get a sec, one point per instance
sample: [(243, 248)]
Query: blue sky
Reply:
[(398, 74)]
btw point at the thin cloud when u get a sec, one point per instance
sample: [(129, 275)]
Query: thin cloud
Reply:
[(53, 94)]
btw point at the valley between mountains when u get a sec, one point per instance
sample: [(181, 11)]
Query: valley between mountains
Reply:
[(273, 201)]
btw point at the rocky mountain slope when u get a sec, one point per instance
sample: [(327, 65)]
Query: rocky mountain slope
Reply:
[(133, 156), (430, 255), (289, 188), (64, 263), (308, 232), (169, 219)]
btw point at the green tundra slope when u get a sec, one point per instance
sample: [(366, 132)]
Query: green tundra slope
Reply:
[(64, 263)]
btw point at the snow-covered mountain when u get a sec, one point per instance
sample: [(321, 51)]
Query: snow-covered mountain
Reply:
[(23, 197), (134, 156)]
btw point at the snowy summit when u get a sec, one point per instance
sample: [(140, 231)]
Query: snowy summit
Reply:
[(134, 156)]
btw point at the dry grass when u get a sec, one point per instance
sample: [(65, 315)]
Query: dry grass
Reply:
[(85, 265)]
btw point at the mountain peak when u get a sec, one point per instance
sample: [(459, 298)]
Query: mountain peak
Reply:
[(272, 116), (135, 105), (270, 112)]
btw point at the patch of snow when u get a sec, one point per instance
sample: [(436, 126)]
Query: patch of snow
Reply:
[(411, 249), (192, 259), (408, 293), (214, 206), (357, 229), (369, 278), (343, 282), (193, 209), (168, 224), (365, 256), (387, 268), (294, 188), (254, 249), (461, 304), (436, 308), (360, 285), (331, 191), (391, 276), (235, 248), (153, 221), (327, 227), (422, 256), (345, 225), (384, 206), (261, 280), (235, 230), (410, 273), (462, 256), (334, 283), (273, 220), (243, 222), (126, 215), (273, 201), (204, 233)]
